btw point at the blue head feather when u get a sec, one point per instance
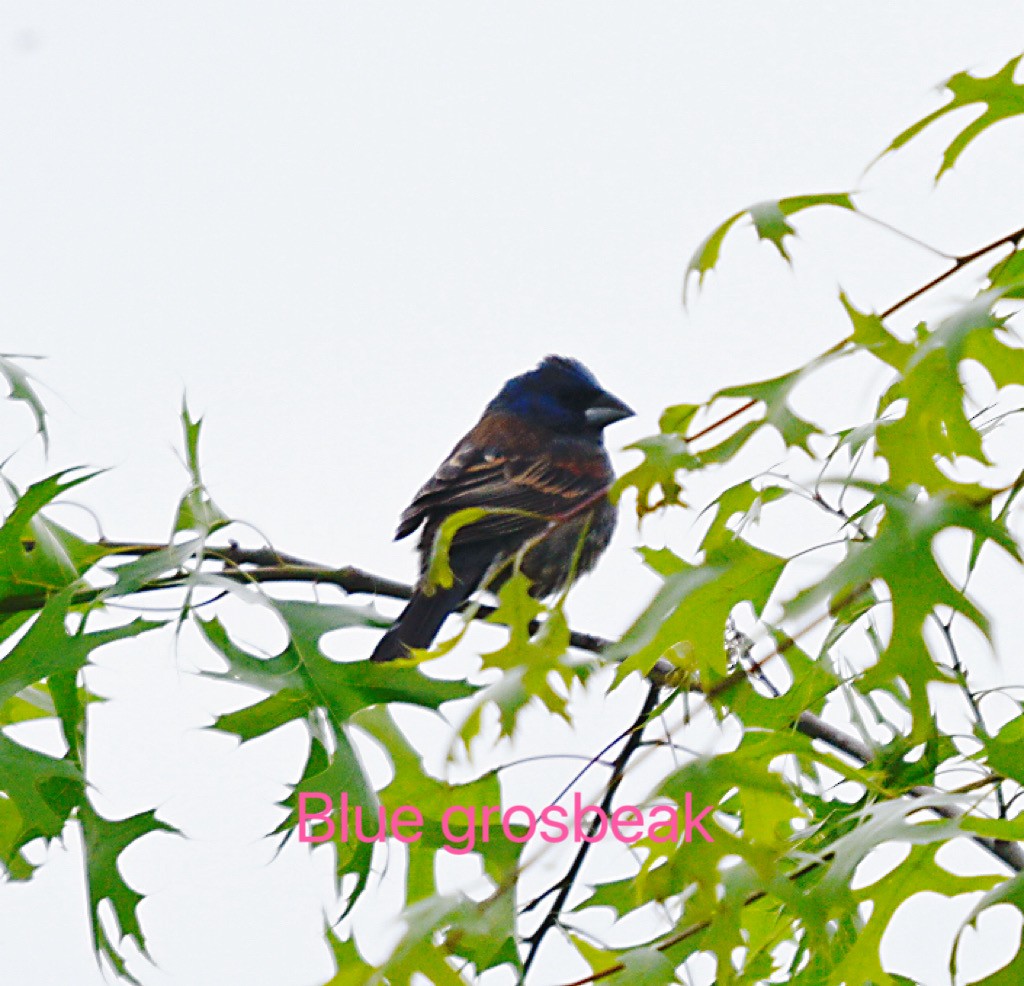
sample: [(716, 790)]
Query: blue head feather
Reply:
[(557, 394)]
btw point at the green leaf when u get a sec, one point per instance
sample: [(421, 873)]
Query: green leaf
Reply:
[(665, 456), (676, 420), (196, 511), (902, 765), (687, 617), (351, 968), (764, 804), (483, 934), (644, 966), (268, 673), (901, 556), (598, 957), (48, 649), (35, 702), (265, 716), (1009, 975), (21, 389), (508, 695), (934, 424), (743, 500), (48, 652), (770, 223), (1007, 275), (32, 703), (301, 679), (727, 448), (333, 774), (918, 873), (39, 792), (827, 893), (12, 838), (345, 688), (1008, 892), (439, 571), (871, 335), (1001, 97), (466, 928), (986, 343), (532, 661), (811, 684), (35, 557), (754, 819), (774, 394), (706, 255), (105, 841), (1004, 748)]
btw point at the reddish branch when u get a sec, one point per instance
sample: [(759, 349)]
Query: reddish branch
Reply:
[(959, 263)]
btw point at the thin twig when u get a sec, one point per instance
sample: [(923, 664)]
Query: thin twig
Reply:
[(905, 235), (568, 881)]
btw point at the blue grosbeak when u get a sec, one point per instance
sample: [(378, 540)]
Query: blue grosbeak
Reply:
[(536, 458)]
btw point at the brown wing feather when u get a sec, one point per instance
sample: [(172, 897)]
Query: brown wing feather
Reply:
[(476, 474)]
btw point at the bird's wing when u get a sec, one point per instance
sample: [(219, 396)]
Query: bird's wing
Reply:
[(541, 487)]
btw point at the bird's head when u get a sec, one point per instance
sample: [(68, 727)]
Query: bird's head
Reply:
[(563, 395)]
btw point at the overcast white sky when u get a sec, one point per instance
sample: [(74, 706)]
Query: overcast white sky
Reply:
[(339, 227)]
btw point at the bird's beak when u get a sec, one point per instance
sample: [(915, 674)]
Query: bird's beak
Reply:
[(606, 410)]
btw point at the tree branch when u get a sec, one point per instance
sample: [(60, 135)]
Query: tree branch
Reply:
[(267, 565), (567, 882), (959, 263)]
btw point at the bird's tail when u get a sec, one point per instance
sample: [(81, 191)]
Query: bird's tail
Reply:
[(420, 622)]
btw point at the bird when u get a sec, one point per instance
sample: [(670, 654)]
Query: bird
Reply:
[(535, 459)]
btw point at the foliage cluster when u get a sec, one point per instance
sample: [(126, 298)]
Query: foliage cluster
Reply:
[(839, 683)]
